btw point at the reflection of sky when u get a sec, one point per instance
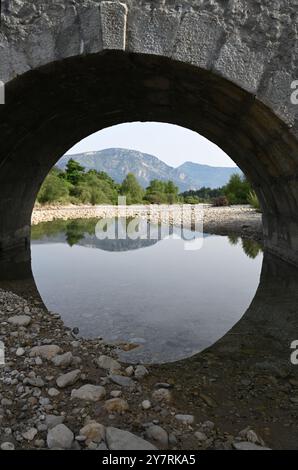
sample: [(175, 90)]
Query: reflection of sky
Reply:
[(178, 301)]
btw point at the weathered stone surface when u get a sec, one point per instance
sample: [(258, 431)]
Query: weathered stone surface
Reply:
[(20, 320), (248, 446), (124, 440), (113, 25), (63, 360), (60, 437), (89, 392), (158, 435), (116, 405), (108, 363), (93, 431), (46, 351), (68, 379)]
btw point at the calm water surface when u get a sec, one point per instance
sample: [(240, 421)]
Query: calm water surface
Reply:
[(170, 301)]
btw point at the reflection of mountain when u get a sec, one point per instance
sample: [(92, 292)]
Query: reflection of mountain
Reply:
[(90, 241)]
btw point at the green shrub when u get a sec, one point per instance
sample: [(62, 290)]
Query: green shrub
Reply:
[(254, 201)]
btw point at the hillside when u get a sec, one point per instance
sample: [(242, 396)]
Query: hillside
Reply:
[(118, 162)]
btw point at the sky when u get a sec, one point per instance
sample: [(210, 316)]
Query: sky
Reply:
[(172, 144)]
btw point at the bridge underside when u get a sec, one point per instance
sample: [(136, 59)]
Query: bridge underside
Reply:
[(51, 108)]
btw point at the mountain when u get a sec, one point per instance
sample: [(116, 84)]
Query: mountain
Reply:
[(118, 162)]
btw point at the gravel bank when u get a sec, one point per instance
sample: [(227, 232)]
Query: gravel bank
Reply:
[(241, 220)]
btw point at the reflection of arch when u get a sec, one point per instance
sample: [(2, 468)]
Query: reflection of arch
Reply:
[(71, 74)]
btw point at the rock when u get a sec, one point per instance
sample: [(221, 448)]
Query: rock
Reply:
[(116, 393), (52, 420), (70, 378), (20, 352), (30, 434), (46, 352), (34, 382), (208, 400), (6, 402), (162, 394), (89, 392), (129, 371), (7, 446), (158, 435), (250, 435), (20, 320), (63, 360), (140, 372), (116, 405), (201, 436), (124, 440), (146, 404), (209, 425), (53, 392), (108, 363), (185, 419), (245, 445), (122, 380), (60, 437), (93, 432)]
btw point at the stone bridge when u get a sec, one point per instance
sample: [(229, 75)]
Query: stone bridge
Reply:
[(223, 68)]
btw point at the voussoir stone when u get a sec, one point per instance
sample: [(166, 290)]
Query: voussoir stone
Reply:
[(70, 378), (89, 392), (118, 439)]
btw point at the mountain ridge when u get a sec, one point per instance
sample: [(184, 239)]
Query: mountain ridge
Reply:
[(117, 162)]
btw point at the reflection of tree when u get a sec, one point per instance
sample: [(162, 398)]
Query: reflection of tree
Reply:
[(74, 233), (233, 239), (251, 248)]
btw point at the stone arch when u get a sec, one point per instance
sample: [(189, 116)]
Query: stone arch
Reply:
[(72, 68)]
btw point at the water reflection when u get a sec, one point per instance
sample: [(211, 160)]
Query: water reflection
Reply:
[(170, 301), (250, 247)]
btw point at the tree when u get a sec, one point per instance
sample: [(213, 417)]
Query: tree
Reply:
[(237, 190), (132, 190), (54, 189), (74, 172)]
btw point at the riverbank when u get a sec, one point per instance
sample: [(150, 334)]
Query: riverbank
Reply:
[(61, 391), (240, 220)]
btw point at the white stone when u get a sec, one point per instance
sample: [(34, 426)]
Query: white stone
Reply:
[(60, 437), (20, 320), (108, 363), (68, 379), (47, 351), (146, 404), (89, 392), (7, 446), (185, 419), (20, 352), (30, 434), (140, 372), (124, 440)]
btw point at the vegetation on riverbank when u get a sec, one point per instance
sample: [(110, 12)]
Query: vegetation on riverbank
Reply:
[(75, 185)]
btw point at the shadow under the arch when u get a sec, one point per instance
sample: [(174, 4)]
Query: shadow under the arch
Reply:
[(246, 378)]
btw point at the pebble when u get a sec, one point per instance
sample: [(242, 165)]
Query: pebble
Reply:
[(162, 394), (70, 378), (30, 434), (60, 437), (20, 352), (122, 380), (108, 363), (201, 436), (53, 392), (185, 419), (118, 439), (19, 320), (47, 351), (7, 446), (146, 404), (89, 392), (140, 372), (248, 446), (158, 435), (116, 405), (93, 432), (63, 360)]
